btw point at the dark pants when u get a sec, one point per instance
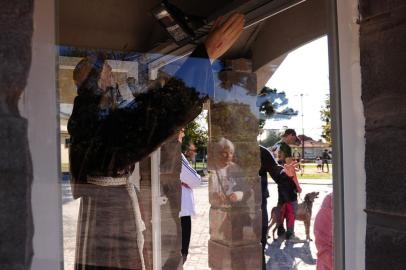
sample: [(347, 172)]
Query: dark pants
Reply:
[(186, 224), (325, 161), (264, 232)]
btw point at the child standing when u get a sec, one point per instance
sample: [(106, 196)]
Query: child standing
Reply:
[(287, 191), (318, 162), (288, 202)]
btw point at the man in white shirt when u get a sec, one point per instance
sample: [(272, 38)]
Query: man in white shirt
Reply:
[(189, 179)]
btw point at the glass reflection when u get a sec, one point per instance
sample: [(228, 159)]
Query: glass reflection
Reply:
[(119, 118), (109, 135), (228, 184)]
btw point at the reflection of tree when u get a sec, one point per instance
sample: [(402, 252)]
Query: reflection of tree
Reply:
[(273, 104), (325, 116), (236, 122), (245, 80), (272, 137)]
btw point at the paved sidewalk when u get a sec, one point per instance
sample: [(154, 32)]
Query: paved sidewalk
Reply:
[(198, 252), (279, 256)]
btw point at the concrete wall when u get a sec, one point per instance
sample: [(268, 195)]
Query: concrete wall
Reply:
[(383, 57), (353, 142)]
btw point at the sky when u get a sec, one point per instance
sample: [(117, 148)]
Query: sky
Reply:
[(304, 71)]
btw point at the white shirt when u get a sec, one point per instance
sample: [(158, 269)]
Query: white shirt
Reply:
[(192, 179)]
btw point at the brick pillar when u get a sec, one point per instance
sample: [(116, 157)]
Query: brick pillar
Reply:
[(383, 58), (235, 227), (16, 224)]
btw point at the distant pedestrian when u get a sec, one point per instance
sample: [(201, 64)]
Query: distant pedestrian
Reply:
[(325, 157), (318, 162)]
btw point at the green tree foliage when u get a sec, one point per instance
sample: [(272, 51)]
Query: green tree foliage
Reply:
[(272, 104), (272, 137), (325, 115), (196, 132)]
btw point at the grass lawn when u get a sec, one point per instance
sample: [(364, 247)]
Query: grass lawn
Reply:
[(199, 166), (310, 172)]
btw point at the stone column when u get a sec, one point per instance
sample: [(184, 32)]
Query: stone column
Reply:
[(383, 58), (16, 224), (235, 227)]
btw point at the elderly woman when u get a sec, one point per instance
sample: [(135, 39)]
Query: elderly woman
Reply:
[(228, 183), (107, 140)]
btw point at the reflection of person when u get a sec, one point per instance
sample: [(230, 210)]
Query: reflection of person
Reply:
[(266, 157), (323, 233), (190, 179), (325, 157), (107, 140), (133, 86), (230, 190), (229, 184)]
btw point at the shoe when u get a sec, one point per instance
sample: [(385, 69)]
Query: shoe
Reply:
[(281, 231)]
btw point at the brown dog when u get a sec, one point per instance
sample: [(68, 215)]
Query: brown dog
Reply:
[(303, 213)]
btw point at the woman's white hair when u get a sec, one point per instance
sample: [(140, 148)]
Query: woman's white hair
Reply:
[(224, 143)]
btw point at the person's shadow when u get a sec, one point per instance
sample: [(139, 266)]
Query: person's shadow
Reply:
[(284, 259)]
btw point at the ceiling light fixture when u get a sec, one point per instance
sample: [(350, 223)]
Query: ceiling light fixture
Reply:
[(179, 25)]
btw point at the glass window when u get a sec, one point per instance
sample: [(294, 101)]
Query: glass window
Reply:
[(201, 142)]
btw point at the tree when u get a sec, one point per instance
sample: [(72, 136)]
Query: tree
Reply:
[(273, 104), (196, 132), (325, 115), (271, 138)]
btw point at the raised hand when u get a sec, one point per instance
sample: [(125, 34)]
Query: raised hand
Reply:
[(223, 35), (290, 169)]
